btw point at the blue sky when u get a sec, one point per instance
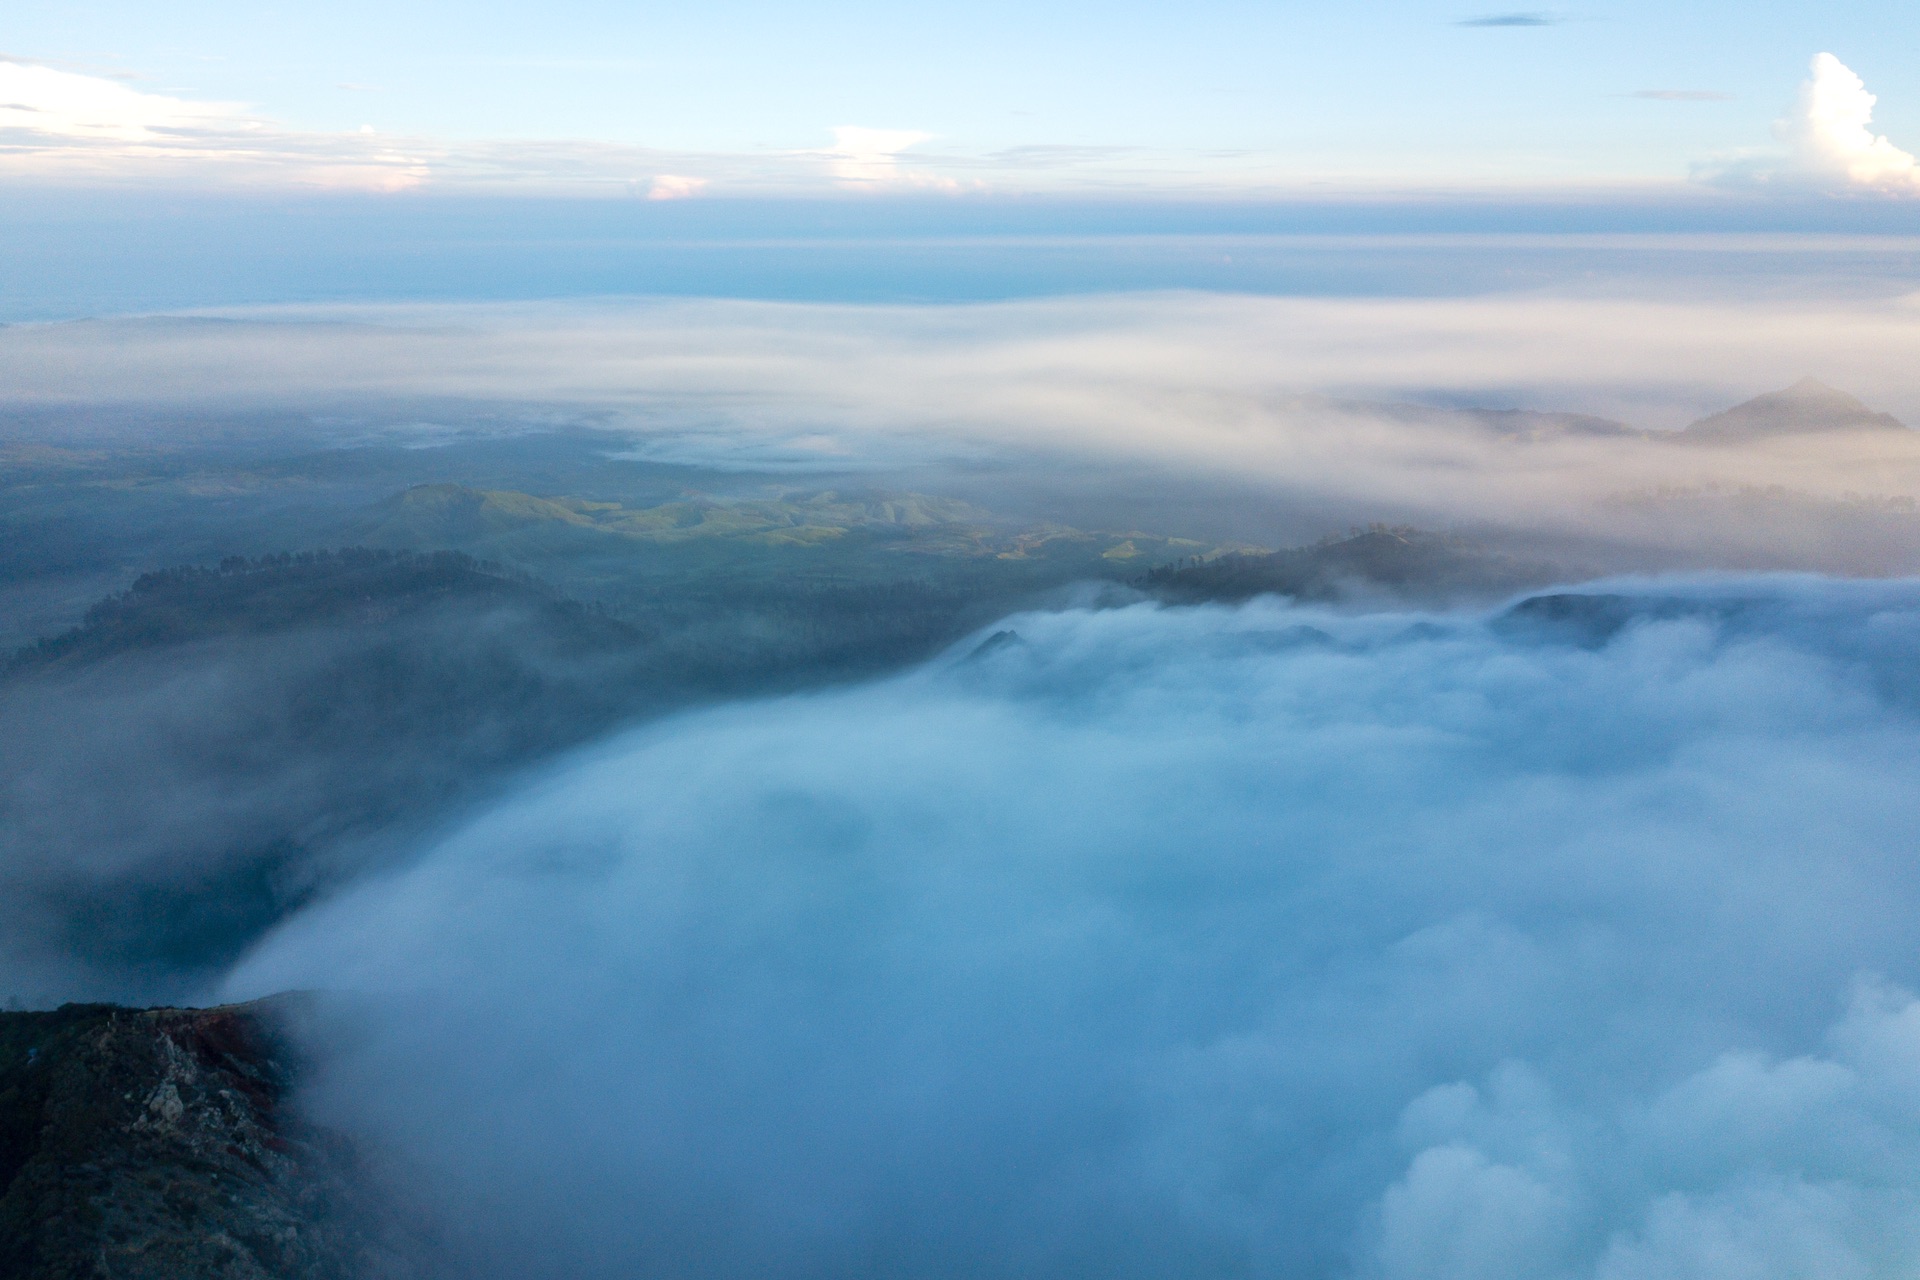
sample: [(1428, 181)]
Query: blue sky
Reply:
[(1211, 98), (213, 154)]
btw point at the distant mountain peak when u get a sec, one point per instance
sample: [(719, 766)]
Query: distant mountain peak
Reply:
[(1809, 405)]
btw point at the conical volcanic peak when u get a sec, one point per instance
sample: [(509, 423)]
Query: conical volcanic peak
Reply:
[(1809, 405)]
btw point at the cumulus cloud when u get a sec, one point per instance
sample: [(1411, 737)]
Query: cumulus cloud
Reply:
[(1830, 144), (1257, 942), (674, 186), (1754, 1166), (869, 159), (63, 125), (1828, 131), (36, 99), (58, 125)]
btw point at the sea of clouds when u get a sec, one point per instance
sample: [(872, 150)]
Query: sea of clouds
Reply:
[(1144, 941), (1103, 371), (1153, 942), (1332, 405)]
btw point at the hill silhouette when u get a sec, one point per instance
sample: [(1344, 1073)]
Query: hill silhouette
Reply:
[(1392, 560), (310, 588), (1809, 405), (215, 745)]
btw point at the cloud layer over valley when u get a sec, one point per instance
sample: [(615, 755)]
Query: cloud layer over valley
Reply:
[(1196, 942), (1545, 413), (1570, 938)]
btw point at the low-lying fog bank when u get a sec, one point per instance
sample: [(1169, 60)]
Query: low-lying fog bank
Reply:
[(1574, 941), (1268, 420)]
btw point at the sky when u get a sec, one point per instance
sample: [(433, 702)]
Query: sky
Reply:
[(1211, 99), (209, 155)]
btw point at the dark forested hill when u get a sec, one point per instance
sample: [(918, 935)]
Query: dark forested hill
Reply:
[(216, 745), (1407, 563), (275, 593)]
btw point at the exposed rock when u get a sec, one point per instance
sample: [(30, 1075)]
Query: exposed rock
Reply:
[(158, 1144)]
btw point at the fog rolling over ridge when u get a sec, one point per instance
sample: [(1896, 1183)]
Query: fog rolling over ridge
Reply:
[(1573, 941), (218, 746)]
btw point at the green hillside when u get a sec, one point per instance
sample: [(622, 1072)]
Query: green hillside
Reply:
[(442, 515)]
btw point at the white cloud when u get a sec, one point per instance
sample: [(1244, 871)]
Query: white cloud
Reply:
[(674, 186), (1830, 138), (40, 99), (869, 159), (62, 125), (58, 125), (1830, 146)]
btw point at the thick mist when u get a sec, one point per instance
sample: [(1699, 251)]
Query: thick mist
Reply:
[(1568, 939), (1055, 366), (219, 747), (1570, 942), (1547, 414)]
